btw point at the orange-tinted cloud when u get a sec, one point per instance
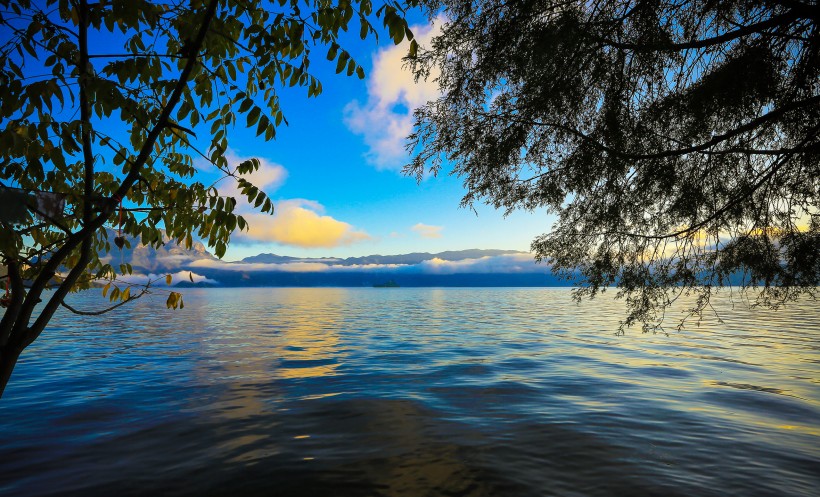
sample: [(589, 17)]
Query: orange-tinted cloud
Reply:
[(295, 222), (427, 231), (301, 223)]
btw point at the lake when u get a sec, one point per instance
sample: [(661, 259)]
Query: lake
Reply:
[(412, 392)]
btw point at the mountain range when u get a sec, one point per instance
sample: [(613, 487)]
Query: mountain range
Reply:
[(198, 267), (411, 258)]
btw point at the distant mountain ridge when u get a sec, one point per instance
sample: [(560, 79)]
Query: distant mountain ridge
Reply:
[(171, 256), (411, 258), (197, 267)]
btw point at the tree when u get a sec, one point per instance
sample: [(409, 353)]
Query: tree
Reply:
[(94, 138), (676, 142)]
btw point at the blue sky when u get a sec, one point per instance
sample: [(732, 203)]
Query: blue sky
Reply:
[(334, 172)]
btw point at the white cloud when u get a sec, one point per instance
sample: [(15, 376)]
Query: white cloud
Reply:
[(387, 117), (159, 279), (291, 267), (427, 231), (267, 178), (294, 267), (508, 263), (500, 264)]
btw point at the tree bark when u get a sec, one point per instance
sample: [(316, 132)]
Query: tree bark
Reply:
[(15, 332), (8, 359)]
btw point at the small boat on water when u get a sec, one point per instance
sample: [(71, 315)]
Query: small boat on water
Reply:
[(389, 284)]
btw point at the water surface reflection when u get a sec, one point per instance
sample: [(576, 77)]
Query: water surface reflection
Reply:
[(471, 392)]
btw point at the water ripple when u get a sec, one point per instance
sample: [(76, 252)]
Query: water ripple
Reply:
[(366, 392)]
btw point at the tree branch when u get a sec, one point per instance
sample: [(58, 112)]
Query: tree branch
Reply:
[(717, 139), (17, 295), (109, 309), (84, 234), (129, 56), (761, 180), (705, 42), (88, 212)]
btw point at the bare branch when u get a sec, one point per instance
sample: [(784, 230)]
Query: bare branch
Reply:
[(106, 310)]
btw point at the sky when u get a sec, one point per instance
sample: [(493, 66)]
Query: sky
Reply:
[(334, 172)]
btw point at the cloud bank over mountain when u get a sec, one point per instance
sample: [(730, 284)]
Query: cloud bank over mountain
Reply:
[(488, 264), (197, 267)]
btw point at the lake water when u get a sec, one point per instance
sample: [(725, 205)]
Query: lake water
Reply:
[(412, 392)]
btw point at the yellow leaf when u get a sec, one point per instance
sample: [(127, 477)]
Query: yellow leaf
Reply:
[(168, 279)]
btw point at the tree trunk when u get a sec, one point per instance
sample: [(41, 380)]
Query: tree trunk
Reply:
[(8, 358)]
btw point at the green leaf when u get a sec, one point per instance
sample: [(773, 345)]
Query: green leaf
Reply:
[(253, 116), (332, 51), (414, 49), (250, 52), (342, 62)]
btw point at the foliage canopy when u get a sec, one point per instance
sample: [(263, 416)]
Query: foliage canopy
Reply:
[(96, 137), (677, 142)]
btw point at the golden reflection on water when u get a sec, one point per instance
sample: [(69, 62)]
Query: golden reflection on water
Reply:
[(247, 353), (734, 342), (312, 333), (286, 333), (298, 334), (415, 382)]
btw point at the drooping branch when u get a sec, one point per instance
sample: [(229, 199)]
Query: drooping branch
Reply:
[(701, 147), (759, 27), (763, 178), (107, 309), (173, 100)]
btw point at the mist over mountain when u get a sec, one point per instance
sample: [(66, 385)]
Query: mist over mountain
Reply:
[(411, 258), (198, 267), (169, 257)]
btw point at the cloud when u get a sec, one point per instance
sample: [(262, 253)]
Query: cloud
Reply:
[(386, 118), (294, 267), (295, 222), (427, 231), (267, 178), (159, 279), (300, 223), (291, 267), (500, 264), (504, 264)]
